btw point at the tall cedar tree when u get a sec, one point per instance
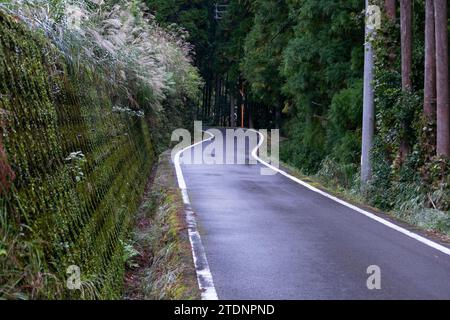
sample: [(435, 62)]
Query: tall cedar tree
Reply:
[(406, 49), (442, 103), (429, 103)]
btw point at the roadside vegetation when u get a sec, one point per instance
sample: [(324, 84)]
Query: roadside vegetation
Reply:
[(159, 263)]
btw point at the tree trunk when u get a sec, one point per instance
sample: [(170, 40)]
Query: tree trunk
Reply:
[(406, 42), (429, 105), (391, 14), (442, 104), (232, 106), (406, 48), (205, 89), (217, 101), (368, 109), (278, 107), (210, 97), (390, 8), (250, 108), (242, 105)]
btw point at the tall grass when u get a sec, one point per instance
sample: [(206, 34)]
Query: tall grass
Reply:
[(120, 38)]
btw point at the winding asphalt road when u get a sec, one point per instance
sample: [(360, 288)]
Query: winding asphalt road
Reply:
[(268, 237)]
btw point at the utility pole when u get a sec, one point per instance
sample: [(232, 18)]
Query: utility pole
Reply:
[(368, 103)]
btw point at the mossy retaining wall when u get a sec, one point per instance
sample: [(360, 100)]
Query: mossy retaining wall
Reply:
[(78, 168)]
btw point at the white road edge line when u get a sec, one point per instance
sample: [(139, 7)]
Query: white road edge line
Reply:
[(391, 225), (204, 276)]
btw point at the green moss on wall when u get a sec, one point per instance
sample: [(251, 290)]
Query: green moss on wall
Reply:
[(80, 168)]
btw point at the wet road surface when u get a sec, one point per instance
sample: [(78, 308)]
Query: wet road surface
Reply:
[(267, 237)]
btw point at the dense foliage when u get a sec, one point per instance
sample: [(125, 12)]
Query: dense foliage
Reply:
[(418, 187), (322, 65)]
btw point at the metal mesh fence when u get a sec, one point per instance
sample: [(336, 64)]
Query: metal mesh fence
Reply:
[(78, 166)]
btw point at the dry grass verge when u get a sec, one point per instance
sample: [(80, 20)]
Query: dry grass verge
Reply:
[(159, 260)]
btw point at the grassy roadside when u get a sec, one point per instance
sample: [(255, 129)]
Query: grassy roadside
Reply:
[(158, 256)]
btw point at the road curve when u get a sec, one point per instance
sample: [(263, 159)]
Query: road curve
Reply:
[(268, 237)]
